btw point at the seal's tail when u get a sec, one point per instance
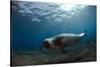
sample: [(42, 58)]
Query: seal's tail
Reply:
[(85, 37), (85, 31)]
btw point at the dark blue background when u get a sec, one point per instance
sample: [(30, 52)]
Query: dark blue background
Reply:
[(27, 34)]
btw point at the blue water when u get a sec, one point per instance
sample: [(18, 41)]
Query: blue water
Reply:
[(26, 33)]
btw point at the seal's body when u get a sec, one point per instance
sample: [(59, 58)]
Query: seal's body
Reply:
[(62, 40)]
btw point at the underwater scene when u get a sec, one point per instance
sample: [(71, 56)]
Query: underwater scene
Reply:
[(52, 33)]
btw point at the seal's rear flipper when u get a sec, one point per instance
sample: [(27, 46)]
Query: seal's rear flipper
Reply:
[(85, 31), (85, 37)]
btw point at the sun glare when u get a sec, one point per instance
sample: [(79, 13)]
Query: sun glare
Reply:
[(67, 7), (71, 7)]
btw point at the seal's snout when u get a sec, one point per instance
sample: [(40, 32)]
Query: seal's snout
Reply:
[(46, 44)]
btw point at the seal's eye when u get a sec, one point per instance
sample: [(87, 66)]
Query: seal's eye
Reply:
[(46, 44)]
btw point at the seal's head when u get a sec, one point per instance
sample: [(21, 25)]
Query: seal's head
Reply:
[(46, 45)]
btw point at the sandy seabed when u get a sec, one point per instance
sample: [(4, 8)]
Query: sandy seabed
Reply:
[(55, 56)]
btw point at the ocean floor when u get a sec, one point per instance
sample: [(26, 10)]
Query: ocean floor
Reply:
[(54, 56)]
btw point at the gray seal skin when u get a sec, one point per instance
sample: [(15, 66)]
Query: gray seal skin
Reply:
[(62, 40)]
